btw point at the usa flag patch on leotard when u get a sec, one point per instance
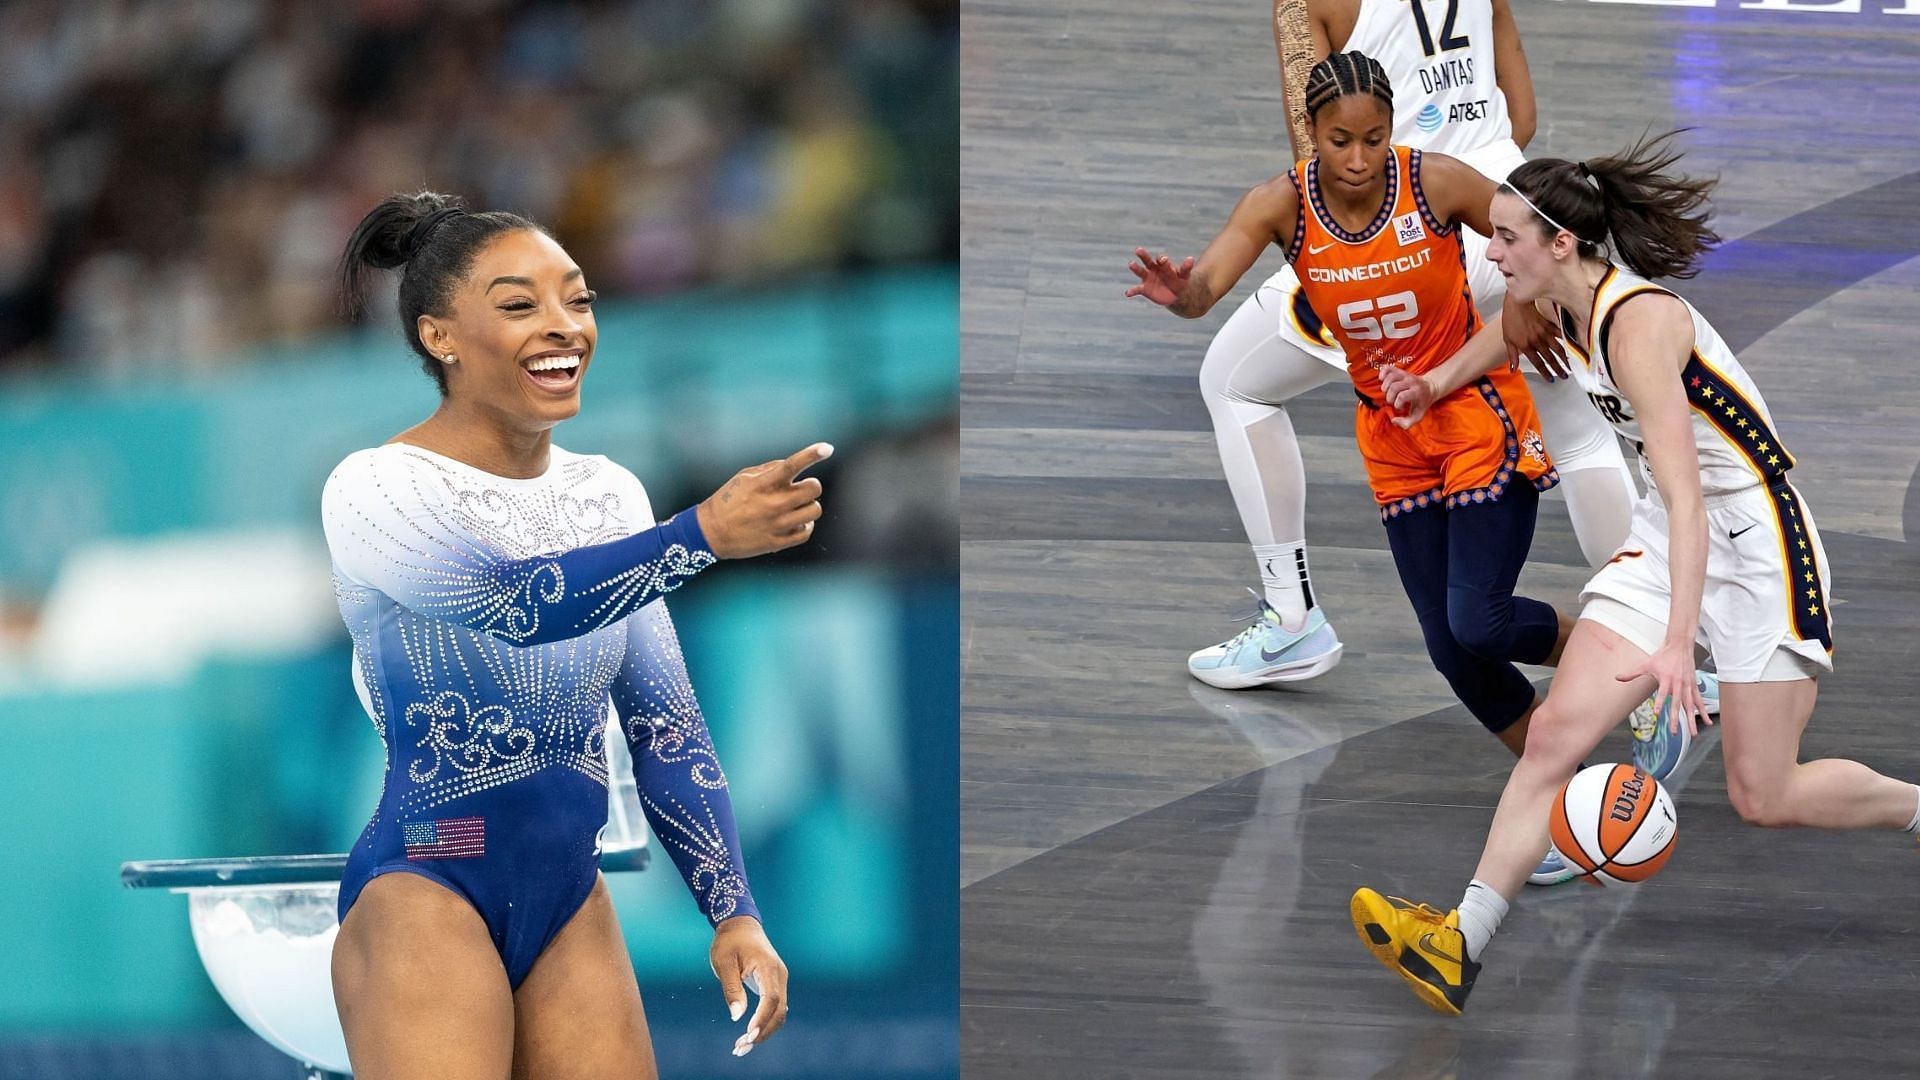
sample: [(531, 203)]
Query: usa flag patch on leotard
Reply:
[(452, 838)]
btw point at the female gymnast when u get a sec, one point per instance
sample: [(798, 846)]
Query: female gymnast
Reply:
[(1723, 550), (498, 590)]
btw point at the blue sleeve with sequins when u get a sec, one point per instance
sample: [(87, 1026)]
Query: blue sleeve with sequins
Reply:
[(390, 528), (682, 789)]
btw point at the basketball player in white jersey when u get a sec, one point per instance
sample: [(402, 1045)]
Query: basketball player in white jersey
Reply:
[(1722, 551), (1461, 88)]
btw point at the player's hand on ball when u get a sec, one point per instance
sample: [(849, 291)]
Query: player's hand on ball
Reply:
[(1672, 667), (764, 508), (1408, 394), (1161, 279)]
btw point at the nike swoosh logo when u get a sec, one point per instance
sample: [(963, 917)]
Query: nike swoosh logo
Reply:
[(1318, 250), (1742, 532), (1426, 945), (1270, 657)]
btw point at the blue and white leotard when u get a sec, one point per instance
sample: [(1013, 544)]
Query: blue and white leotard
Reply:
[(492, 618)]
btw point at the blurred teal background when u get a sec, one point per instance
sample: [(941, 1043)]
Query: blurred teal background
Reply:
[(828, 674)]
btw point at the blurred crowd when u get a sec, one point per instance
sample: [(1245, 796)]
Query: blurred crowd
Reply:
[(177, 177)]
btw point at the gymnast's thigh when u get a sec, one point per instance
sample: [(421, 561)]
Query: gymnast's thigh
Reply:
[(577, 1013), (420, 987)]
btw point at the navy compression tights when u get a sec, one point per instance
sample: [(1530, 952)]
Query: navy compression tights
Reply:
[(1459, 567)]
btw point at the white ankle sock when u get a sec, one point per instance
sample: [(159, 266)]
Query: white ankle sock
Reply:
[(1914, 825), (1283, 572), (1481, 910)]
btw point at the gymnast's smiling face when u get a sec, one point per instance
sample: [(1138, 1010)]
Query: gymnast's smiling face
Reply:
[(521, 332)]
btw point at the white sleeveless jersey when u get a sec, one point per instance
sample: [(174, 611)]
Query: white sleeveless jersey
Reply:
[(1738, 444), (1439, 56)]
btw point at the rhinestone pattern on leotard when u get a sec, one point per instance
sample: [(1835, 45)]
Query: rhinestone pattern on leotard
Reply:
[(472, 561)]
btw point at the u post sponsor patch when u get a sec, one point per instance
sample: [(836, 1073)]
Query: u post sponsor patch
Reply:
[(1408, 230)]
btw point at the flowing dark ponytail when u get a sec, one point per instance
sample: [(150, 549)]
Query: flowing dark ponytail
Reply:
[(434, 242), (1655, 223)]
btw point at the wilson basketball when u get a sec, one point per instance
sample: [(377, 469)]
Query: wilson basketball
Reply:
[(1614, 823)]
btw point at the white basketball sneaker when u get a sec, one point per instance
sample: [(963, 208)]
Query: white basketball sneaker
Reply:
[(1267, 652)]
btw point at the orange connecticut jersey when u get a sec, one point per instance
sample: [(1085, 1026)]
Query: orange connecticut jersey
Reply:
[(1395, 292)]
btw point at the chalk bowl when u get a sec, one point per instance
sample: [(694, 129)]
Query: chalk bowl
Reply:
[(269, 949)]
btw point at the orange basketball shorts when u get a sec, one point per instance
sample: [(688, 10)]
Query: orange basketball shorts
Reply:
[(1467, 449)]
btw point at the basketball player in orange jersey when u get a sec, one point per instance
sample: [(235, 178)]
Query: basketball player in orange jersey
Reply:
[(1374, 231), (1723, 551), (1465, 90)]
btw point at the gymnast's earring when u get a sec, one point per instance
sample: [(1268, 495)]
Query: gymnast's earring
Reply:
[(451, 359)]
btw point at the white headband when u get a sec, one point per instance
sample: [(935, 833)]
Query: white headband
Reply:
[(1549, 220)]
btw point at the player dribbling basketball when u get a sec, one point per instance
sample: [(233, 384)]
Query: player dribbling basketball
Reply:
[(1722, 550)]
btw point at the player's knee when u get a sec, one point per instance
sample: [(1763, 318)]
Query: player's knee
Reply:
[(1764, 804), (1551, 750), (1480, 627), (1449, 658), (1216, 371)]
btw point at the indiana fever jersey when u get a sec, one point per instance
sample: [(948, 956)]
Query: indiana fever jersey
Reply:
[(1739, 446), (1397, 291), (1439, 54)]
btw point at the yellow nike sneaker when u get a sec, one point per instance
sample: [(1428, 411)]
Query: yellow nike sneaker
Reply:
[(1422, 945)]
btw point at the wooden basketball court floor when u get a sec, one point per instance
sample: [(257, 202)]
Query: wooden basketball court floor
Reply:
[(1155, 874)]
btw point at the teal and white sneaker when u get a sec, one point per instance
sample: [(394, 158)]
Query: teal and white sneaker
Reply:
[(1709, 691), (1553, 869), (1657, 749), (1266, 652)]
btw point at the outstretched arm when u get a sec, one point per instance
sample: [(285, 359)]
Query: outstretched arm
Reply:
[(394, 524), (1189, 289)]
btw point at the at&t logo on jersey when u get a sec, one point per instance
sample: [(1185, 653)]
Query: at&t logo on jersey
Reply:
[(1430, 119), (1467, 110)]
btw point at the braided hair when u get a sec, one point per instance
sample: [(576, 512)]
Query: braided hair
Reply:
[(1657, 222), (1347, 73), (433, 241)]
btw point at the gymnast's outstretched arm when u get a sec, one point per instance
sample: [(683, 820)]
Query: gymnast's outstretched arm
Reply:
[(393, 526)]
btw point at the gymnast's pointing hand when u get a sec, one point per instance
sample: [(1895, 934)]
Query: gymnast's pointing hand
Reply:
[(764, 508)]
